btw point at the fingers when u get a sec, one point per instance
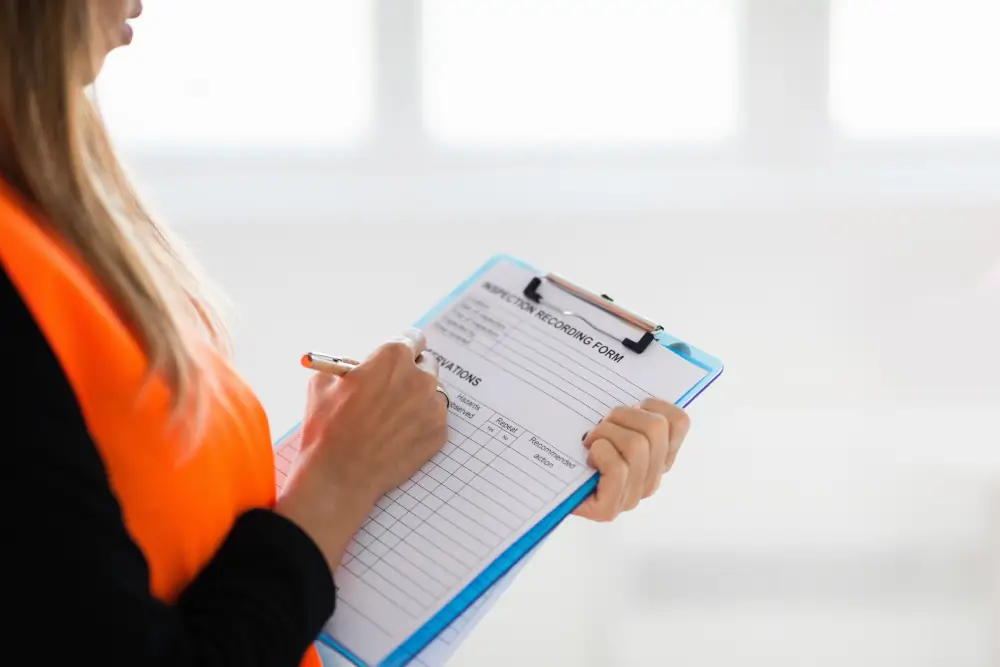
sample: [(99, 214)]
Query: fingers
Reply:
[(656, 429), (415, 340), (428, 363), (396, 353), (607, 501), (406, 346), (645, 440), (320, 382), (680, 424), (633, 447)]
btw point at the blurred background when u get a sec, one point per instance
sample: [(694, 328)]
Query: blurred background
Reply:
[(807, 189)]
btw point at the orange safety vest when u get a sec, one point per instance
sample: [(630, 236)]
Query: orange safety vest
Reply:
[(179, 500)]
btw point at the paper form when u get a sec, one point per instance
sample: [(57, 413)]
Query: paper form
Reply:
[(526, 384), (445, 644)]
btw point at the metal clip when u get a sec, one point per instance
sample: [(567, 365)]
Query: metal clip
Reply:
[(603, 302)]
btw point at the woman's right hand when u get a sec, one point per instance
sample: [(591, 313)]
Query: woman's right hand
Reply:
[(364, 434)]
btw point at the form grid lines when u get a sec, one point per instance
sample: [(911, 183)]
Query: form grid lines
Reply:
[(447, 508)]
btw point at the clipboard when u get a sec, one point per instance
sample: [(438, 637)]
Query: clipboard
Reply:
[(642, 334)]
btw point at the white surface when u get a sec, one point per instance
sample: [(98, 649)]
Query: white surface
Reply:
[(238, 73), (920, 68), (767, 634), (580, 72)]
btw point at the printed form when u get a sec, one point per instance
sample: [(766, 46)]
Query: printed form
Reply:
[(526, 384)]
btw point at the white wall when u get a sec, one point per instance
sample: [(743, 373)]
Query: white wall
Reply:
[(833, 501)]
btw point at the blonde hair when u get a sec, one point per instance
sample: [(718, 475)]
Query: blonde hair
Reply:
[(54, 149)]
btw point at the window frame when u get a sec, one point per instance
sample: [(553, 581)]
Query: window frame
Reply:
[(786, 149)]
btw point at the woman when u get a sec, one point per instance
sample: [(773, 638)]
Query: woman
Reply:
[(146, 527)]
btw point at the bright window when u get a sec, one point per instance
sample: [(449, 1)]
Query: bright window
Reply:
[(916, 68), (579, 72), (247, 72)]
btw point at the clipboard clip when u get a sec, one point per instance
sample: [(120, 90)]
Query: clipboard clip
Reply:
[(603, 302)]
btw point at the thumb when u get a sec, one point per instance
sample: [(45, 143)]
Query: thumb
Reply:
[(320, 384)]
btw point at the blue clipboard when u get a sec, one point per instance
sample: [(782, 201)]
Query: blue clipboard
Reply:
[(409, 649)]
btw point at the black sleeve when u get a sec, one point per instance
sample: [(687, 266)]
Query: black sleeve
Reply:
[(78, 586)]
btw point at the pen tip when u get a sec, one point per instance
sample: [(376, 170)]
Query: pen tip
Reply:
[(307, 360)]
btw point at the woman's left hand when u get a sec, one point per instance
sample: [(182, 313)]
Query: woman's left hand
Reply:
[(632, 448)]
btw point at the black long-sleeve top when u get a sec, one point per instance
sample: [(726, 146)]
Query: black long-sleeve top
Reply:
[(78, 586)]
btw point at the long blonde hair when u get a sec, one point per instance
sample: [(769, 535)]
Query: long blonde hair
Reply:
[(55, 151)]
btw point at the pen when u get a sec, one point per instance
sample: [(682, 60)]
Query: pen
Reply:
[(327, 364)]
